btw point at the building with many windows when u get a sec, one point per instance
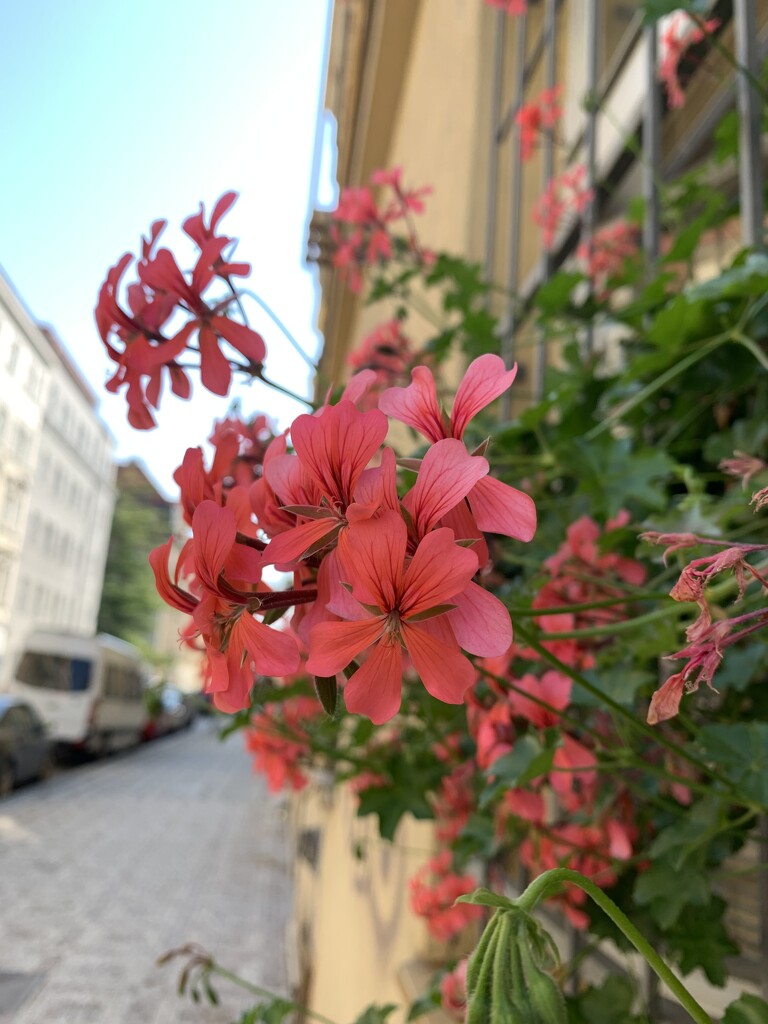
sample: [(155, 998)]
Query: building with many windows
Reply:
[(57, 479), (24, 382)]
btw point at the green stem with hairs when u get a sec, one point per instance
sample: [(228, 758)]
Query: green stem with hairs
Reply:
[(543, 886)]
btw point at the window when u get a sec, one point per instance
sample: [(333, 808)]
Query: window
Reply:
[(5, 575), (32, 385), (23, 442), (54, 672), (123, 682), (12, 504), (13, 358)]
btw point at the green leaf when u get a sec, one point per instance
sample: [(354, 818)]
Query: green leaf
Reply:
[(741, 751), (748, 279), (740, 665), (747, 1009), (375, 1014), (619, 682), (391, 804), (700, 941), (424, 1004), (668, 892), (727, 137), (526, 761), (485, 898), (685, 835), (614, 475), (555, 296), (609, 1003)]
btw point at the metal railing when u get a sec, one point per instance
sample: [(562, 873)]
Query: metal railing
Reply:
[(512, 46)]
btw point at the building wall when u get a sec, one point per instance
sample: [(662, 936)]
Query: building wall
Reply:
[(56, 485), (70, 510), (358, 940), (437, 125), (24, 382)]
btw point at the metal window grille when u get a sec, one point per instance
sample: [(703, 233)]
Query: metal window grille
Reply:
[(528, 56)]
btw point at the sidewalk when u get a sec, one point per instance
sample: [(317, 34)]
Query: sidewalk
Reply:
[(110, 864)]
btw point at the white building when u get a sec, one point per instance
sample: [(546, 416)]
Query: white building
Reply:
[(57, 485), (24, 377)]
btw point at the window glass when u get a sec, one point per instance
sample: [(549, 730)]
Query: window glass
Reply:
[(54, 672)]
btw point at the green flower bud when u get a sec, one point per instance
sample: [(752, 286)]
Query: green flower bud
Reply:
[(508, 977)]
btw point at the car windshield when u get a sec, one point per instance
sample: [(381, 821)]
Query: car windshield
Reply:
[(54, 671)]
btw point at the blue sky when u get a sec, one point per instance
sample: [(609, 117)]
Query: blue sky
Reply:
[(114, 115)]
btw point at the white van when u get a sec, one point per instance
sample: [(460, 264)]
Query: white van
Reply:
[(88, 690)]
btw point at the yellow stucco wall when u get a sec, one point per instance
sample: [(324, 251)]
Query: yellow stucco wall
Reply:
[(356, 931)]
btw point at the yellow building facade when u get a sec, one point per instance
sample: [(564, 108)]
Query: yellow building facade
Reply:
[(433, 86)]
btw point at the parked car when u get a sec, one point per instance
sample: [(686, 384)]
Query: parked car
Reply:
[(88, 690), (26, 751), (171, 711)]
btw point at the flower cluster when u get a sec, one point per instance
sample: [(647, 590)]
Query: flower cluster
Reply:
[(165, 310), (604, 257), (278, 740), (381, 583), (566, 195), (361, 232), (534, 118), (514, 8), (580, 573), (565, 819), (434, 891), (678, 32), (453, 990), (388, 352)]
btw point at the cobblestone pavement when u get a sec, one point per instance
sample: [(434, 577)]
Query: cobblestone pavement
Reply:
[(109, 864)]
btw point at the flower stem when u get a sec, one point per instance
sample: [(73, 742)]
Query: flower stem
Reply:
[(271, 313), (257, 990), (541, 887), (286, 391)]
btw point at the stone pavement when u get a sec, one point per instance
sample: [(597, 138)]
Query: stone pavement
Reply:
[(109, 864)]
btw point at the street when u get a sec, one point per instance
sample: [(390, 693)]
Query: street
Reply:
[(109, 864)]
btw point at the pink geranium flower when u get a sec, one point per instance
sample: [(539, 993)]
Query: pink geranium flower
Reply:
[(393, 601), (514, 8), (496, 507)]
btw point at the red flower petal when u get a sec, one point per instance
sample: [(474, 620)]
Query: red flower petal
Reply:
[(215, 371), (372, 555), (499, 508), (246, 341), (416, 405), (213, 529), (374, 690), (446, 476), (273, 651), (291, 545), (336, 446), (444, 670), (438, 571), (332, 645), (486, 378), (480, 622)]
